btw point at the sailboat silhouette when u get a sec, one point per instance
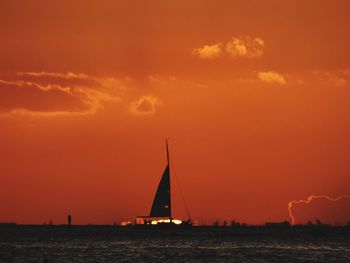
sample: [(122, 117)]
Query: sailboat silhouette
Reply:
[(161, 208)]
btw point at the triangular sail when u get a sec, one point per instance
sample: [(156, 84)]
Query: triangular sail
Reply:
[(162, 203)]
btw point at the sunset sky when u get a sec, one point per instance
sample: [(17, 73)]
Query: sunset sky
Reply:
[(254, 96)]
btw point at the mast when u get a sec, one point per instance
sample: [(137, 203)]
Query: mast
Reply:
[(167, 151), (168, 160)]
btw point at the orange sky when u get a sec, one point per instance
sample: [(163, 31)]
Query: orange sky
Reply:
[(253, 94)]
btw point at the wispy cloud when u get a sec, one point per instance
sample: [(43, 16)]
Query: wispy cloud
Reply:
[(208, 51), (68, 75), (145, 105), (272, 77), (44, 94), (21, 83), (160, 81), (336, 78)]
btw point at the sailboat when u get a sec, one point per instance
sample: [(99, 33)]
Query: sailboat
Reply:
[(161, 208)]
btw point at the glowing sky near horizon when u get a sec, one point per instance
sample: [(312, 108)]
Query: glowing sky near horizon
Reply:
[(254, 96)]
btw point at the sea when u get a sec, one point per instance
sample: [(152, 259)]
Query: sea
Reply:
[(44, 244)]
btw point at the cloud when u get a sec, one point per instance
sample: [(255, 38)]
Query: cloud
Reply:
[(161, 81), (56, 94), (335, 78), (272, 77), (208, 51), (68, 75), (245, 47), (144, 105), (237, 47), (63, 79)]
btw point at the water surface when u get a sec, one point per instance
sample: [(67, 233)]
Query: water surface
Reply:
[(199, 245)]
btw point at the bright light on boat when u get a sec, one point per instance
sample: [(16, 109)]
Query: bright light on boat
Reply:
[(159, 221), (125, 223)]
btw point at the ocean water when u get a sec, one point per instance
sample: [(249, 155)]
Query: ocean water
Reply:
[(202, 245)]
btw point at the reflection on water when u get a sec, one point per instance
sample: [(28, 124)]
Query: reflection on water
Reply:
[(175, 248)]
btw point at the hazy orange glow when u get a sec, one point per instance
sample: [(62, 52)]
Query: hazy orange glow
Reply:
[(254, 96)]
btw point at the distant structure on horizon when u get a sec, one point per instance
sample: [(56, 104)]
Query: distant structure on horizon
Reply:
[(69, 220), (278, 224)]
